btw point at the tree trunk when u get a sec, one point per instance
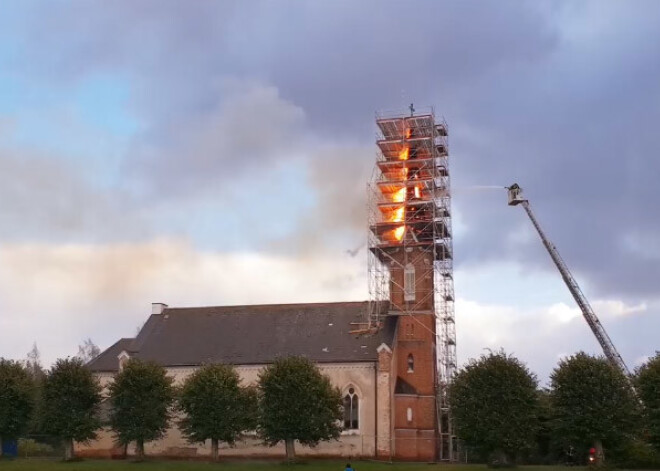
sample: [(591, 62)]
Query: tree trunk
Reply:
[(139, 450), (290, 450), (214, 449), (68, 450), (600, 454), (125, 451), (498, 459)]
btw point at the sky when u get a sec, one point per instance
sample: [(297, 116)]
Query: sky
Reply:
[(215, 153)]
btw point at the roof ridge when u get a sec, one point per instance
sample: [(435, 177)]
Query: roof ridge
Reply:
[(264, 306)]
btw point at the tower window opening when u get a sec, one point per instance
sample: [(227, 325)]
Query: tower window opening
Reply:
[(410, 327), (351, 410), (411, 363), (409, 414), (409, 283)]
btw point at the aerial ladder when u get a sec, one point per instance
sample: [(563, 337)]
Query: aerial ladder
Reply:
[(516, 198)]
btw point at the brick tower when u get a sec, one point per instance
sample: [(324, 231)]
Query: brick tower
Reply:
[(411, 277)]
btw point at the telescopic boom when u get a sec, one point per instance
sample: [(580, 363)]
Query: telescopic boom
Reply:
[(516, 198)]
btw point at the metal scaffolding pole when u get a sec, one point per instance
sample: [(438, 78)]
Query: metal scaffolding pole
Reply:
[(410, 226)]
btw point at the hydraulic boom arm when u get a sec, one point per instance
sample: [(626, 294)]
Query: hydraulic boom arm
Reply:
[(515, 198)]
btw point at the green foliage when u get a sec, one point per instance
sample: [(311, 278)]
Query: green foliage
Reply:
[(216, 406), (30, 448), (592, 402), (241, 465), (543, 452), (297, 402), (637, 454), (648, 388), (141, 397), (16, 399), (494, 402), (71, 396)]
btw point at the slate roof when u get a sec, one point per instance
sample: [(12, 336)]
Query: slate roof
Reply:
[(245, 335)]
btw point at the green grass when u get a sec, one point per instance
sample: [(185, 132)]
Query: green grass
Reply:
[(91, 465)]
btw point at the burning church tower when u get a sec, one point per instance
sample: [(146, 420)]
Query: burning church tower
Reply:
[(411, 277)]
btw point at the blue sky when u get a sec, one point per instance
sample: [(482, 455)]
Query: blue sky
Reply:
[(218, 152)]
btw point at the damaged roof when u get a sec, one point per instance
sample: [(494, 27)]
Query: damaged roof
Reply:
[(248, 335)]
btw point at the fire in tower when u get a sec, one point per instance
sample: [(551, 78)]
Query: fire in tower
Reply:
[(411, 276)]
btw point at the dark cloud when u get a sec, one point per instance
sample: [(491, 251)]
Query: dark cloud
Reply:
[(561, 97), (338, 60), (253, 127), (579, 134)]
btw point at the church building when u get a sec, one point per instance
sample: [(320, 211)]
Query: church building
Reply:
[(391, 357)]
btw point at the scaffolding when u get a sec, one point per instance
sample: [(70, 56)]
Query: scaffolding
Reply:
[(410, 229)]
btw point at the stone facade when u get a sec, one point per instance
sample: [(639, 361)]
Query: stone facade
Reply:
[(352, 444)]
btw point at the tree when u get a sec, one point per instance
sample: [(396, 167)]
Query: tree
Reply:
[(648, 388), (544, 431), (593, 404), (34, 368), (88, 351), (71, 398), (16, 400), (217, 408), (297, 402), (141, 395), (33, 363), (494, 403)]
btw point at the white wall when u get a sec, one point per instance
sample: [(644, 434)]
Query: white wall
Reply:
[(361, 376)]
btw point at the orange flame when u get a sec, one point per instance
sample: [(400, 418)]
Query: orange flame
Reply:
[(404, 153), (397, 215), (418, 191), (408, 133), (399, 196), (398, 232)]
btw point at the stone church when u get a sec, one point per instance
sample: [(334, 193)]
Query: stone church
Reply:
[(392, 374), (388, 390)]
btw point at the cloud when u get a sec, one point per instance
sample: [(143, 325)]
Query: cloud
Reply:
[(251, 127), (57, 295), (576, 131), (45, 198), (561, 97), (334, 216), (541, 335)]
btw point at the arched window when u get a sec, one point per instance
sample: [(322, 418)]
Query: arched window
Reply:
[(409, 414), (351, 410), (411, 363)]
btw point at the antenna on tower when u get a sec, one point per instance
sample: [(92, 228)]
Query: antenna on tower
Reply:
[(412, 109)]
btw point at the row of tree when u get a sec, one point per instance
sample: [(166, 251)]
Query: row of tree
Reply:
[(500, 412), (496, 404), (292, 401)]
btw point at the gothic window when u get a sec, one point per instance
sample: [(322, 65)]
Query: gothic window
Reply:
[(351, 410), (411, 363), (409, 283), (409, 414)]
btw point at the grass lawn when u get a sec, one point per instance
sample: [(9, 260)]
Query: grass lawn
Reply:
[(49, 465)]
